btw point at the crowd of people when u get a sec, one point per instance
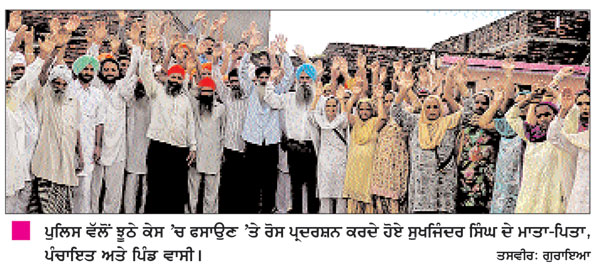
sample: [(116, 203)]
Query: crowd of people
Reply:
[(187, 123)]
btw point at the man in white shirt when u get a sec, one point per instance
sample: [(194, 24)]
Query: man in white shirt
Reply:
[(172, 137), (302, 157), (92, 120), (210, 121)]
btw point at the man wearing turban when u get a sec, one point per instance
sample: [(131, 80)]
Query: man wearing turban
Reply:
[(172, 134), (302, 157), (209, 118)]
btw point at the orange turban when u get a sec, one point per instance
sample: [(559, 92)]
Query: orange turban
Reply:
[(176, 69), (207, 66), (207, 82)]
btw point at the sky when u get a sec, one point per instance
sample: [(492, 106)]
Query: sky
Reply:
[(315, 29)]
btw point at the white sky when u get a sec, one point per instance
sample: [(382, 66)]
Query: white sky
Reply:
[(315, 29)]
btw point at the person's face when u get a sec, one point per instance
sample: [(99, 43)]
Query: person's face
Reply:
[(432, 109), (242, 48), (304, 79), (160, 76), (59, 85), (205, 73), (327, 91), (234, 81), (175, 78), (331, 109), (544, 116), (263, 60), (87, 74), (210, 46), (388, 100), (365, 111), (206, 92), (17, 71), (110, 71), (583, 102), (263, 78), (156, 54), (482, 103), (9, 83), (347, 96), (123, 65)]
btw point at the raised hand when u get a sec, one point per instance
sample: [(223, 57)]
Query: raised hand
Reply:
[(255, 41), (361, 60), (20, 35), (199, 16), (378, 91), (319, 68), (343, 65), (382, 73), (397, 66), (100, 31), (15, 21), (498, 96), (73, 23), (28, 37), (272, 50), (228, 48), (151, 37), (54, 25), (122, 14), (135, 31), (114, 43), (566, 72), (281, 42), (46, 47), (223, 19)]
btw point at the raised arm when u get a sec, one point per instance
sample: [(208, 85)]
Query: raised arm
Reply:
[(145, 66), (486, 121), (288, 68)]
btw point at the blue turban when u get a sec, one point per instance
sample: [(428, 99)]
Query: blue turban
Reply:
[(309, 69), (84, 61)]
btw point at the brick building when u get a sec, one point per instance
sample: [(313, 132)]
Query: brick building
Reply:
[(550, 36)]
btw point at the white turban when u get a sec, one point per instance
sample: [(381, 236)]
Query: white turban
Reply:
[(61, 71)]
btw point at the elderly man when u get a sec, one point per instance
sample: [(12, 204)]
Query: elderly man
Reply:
[(261, 130), (210, 120), (172, 137), (53, 162), (302, 157)]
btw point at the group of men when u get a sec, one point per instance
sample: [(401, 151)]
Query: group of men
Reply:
[(160, 123)]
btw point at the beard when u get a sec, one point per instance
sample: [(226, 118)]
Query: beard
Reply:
[(57, 93), (205, 103), (236, 90), (139, 92), (209, 51), (304, 93), (84, 78), (107, 79), (174, 88)]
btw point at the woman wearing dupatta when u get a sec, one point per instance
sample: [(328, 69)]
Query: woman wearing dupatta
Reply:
[(363, 139), (389, 180), (541, 186), (432, 141)]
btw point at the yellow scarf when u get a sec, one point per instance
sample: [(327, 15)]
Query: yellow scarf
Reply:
[(431, 132), (363, 131)]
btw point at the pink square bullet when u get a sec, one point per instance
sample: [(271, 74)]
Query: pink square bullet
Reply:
[(20, 230)]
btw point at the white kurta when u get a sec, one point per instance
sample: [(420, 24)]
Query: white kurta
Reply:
[(138, 119), (91, 103), (541, 186), (331, 163), (578, 200), (209, 133)]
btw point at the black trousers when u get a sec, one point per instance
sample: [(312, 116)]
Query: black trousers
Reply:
[(233, 190), (167, 178), (302, 162), (261, 179)]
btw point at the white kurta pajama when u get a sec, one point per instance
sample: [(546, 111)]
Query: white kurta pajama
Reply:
[(111, 167), (209, 131), (19, 142), (91, 102), (138, 119)]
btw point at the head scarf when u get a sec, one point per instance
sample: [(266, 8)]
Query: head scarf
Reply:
[(309, 69), (176, 69), (364, 131), (431, 132), (61, 71), (207, 82), (84, 61)]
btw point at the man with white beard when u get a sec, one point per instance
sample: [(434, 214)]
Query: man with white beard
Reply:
[(302, 136)]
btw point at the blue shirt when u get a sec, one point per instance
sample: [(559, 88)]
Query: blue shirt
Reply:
[(262, 122)]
